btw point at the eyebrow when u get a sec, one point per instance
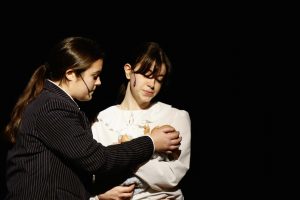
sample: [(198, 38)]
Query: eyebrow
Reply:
[(97, 72)]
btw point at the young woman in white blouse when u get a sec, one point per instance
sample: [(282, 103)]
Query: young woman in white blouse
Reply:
[(146, 70)]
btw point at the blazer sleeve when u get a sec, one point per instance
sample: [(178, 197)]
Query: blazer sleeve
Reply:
[(161, 175), (65, 130)]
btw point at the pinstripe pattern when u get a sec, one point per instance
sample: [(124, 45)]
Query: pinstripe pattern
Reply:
[(55, 153)]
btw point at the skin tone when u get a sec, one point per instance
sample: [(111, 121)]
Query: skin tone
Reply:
[(77, 86), (141, 89), (118, 193)]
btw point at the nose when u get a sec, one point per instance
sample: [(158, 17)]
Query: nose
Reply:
[(151, 83), (98, 81)]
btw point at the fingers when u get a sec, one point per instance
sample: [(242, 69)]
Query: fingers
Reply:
[(173, 148), (126, 188), (126, 191), (174, 134), (167, 128), (118, 192), (175, 144), (176, 141), (165, 138)]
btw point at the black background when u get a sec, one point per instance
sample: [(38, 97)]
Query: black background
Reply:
[(220, 78)]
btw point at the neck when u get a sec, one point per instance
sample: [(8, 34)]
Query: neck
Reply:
[(131, 104)]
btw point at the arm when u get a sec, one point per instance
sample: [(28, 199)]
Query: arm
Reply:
[(162, 175), (66, 131)]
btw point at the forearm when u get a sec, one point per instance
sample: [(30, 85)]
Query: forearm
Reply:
[(128, 155), (162, 175)]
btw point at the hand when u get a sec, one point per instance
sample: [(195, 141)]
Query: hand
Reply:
[(166, 139), (118, 193), (124, 138)]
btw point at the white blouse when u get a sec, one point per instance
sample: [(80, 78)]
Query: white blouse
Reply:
[(160, 175)]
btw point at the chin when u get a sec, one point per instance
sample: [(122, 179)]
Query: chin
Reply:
[(147, 99), (85, 98)]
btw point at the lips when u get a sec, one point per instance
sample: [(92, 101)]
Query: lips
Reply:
[(148, 93)]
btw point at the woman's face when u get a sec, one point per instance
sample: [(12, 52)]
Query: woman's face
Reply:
[(143, 87), (87, 82)]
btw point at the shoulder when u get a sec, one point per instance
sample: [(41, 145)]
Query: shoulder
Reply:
[(111, 118), (108, 113), (160, 106), (50, 101), (161, 110)]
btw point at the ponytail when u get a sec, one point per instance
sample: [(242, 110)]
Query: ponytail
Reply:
[(32, 90)]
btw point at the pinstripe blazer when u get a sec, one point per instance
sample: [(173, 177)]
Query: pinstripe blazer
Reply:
[(55, 152)]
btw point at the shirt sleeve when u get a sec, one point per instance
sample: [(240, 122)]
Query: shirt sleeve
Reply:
[(161, 175)]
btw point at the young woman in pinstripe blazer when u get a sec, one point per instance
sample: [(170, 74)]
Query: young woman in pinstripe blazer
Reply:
[(54, 154)]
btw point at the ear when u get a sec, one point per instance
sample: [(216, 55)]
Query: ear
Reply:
[(127, 70), (70, 75)]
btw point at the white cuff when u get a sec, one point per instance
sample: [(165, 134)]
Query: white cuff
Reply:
[(94, 198)]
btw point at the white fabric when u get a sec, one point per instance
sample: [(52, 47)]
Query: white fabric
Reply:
[(94, 198), (160, 174)]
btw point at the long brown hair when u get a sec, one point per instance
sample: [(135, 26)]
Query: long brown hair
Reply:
[(77, 53)]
